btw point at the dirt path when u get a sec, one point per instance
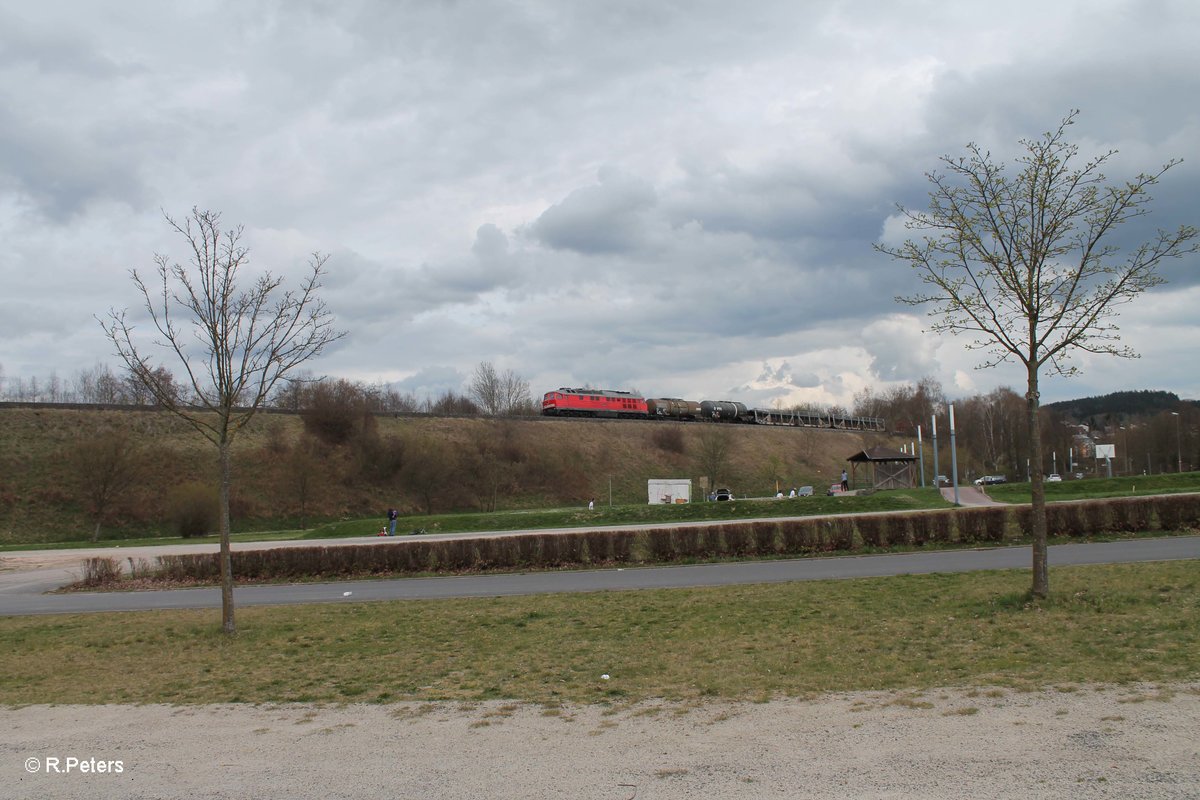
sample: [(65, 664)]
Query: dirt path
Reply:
[(1088, 742)]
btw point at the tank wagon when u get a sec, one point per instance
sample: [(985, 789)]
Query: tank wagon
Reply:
[(607, 403)]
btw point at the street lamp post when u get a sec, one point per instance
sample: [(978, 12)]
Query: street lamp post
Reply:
[(953, 457), (1128, 468), (921, 451), (1178, 442)]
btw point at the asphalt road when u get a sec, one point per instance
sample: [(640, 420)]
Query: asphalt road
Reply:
[(24, 593)]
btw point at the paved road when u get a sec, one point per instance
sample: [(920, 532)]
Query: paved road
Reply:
[(26, 597)]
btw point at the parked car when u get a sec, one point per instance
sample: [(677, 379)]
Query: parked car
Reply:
[(1078, 476), (942, 480), (804, 491), (989, 480), (834, 488), (722, 495), (1054, 477)]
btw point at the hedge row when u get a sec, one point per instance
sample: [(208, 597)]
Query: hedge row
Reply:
[(666, 545)]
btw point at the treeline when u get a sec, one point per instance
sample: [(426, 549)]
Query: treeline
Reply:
[(1101, 410), (991, 431), (488, 392)]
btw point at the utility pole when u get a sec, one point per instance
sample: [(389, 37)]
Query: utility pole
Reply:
[(953, 457), (1178, 442)]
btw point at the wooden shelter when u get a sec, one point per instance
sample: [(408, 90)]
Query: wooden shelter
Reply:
[(883, 468)]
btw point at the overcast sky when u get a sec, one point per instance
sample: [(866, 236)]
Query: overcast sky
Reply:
[(675, 197)]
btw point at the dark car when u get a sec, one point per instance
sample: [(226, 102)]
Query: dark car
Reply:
[(989, 480)]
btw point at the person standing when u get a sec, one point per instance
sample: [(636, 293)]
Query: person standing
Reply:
[(393, 515), (845, 482)]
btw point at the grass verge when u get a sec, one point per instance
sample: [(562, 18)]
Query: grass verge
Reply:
[(574, 517), (1102, 624), (1097, 488)]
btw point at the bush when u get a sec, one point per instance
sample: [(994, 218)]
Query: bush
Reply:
[(100, 571), (800, 536), (1095, 516), (659, 546), (839, 534), (195, 567), (1131, 514), (1064, 520), (765, 540), (981, 524), (929, 527), (874, 531), (669, 439), (1178, 513), (192, 509), (740, 540)]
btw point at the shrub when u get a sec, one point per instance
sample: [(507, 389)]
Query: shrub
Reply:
[(192, 509), (800, 536), (1095, 516), (1024, 520), (930, 526), (765, 539), (600, 546), (622, 545), (741, 540), (1064, 520), (658, 545), (669, 439), (1131, 514), (981, 524), (100, 571), (197, 567), (1178, 512), (874, 531), (839, 534)]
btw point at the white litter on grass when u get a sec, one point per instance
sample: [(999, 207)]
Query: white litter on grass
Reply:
[(604, 677)]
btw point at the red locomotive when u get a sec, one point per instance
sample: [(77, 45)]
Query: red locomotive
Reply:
[(593, 403)]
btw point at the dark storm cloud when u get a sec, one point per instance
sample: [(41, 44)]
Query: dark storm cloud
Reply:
[(607, 218)]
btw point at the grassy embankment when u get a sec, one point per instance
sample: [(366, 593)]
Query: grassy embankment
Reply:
[(282, 475), (663, 515), (574, 517), (1102, 624)]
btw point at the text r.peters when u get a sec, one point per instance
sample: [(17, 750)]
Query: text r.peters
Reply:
[(54, 764)]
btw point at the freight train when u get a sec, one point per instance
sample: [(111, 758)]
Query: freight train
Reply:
[(625, 405)]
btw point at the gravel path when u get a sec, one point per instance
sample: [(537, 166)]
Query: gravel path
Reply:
[(1122, 742)]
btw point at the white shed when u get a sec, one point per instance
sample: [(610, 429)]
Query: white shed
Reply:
[(669, 490)]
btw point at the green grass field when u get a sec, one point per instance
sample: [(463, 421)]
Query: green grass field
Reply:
[(1165, 483), (641, 514), (1102, 624)]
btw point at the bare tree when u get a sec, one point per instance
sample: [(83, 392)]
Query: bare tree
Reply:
[(499, 393), (713, 453), (107, 467), (1026, 265), (234, 345)]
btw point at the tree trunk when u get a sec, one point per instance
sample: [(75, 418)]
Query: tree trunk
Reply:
[(1041, 575), (226, 560)]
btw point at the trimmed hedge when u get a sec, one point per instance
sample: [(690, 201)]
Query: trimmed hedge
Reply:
[(668, 545)]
